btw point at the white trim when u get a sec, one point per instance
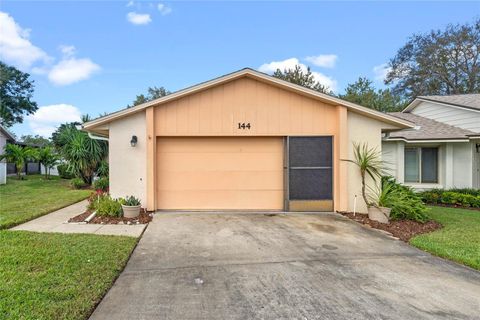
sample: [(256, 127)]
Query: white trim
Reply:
[(259, 76), (426, 141), (415, 104)]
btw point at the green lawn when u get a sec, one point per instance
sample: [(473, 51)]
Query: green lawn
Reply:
[(458, 240), (57, 276), (23, 200)]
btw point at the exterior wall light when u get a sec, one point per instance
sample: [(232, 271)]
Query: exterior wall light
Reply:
[(134, 141)]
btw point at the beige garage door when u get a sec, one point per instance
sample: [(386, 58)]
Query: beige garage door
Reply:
[(202, 173)]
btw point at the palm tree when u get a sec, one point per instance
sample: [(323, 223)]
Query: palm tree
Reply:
[(17, 155), (369, 161), (48, 158)]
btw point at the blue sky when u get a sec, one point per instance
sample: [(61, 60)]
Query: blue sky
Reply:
[(96, 56)]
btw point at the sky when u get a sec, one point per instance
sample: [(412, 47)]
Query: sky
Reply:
[(96, 56)]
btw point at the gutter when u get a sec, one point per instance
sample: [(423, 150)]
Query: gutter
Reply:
[(95, 137)]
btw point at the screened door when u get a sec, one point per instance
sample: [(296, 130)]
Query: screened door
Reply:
[(310, 174)]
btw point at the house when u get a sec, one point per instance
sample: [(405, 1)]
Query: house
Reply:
[(243, 141), (443, 148), (5, 136)]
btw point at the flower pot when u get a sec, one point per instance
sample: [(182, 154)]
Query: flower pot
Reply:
[(131, 211), (380, 214)]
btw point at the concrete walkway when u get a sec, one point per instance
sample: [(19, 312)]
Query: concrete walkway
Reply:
[(57, 222)]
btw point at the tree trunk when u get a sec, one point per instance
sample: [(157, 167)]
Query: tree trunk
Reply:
[(364, 195)]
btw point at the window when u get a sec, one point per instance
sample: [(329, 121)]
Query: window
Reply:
[(421, 165)]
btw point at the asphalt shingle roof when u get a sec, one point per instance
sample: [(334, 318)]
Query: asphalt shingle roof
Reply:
[(428, 129), (465, 100)]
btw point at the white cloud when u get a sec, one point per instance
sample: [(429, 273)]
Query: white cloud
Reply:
[(381, 71), (323, 60), (15, 46), (138, 18), (47, 118), (164, 9), (130, 4), (71, 70), (291, 63)]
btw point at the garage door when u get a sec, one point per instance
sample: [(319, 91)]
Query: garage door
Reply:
[(215, 173)]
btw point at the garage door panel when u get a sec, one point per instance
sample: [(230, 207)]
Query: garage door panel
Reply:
[(233, 180), (218, 161), (221, 200), (220, 173)]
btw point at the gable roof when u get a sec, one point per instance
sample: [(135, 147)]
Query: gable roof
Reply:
[(428, 129), (6, 133), (247, 72), (467, 101)]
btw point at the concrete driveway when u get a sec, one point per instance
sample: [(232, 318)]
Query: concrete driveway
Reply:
[(296, 266)]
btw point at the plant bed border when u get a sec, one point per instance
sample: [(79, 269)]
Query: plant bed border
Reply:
[(143, 218), (401, 229)]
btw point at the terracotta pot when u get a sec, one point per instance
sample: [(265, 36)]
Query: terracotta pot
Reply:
[(131, 211), (380, 214)]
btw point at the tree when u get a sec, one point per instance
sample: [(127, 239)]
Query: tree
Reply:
[(16, 92), (48, 158), (83, 154), (17, 155), (305, 79), (438, 63), (153, 93), (36, 140), (363, 92)]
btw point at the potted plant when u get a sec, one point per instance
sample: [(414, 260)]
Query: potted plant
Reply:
[(130, 206), (369, 162)]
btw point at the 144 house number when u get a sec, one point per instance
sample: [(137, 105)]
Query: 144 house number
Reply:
[(244, 126)]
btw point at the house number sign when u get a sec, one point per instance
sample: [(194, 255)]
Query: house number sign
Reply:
[(244, 126)]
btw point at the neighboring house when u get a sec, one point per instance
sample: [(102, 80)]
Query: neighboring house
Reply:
[(244, 141), (5, 137), (443, 149)]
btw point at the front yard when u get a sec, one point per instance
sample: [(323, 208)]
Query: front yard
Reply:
[(57, 276), (23, 200), (458, 240)]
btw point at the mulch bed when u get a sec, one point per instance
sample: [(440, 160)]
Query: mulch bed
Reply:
[(143, 218), (402, 229), (451, 206)]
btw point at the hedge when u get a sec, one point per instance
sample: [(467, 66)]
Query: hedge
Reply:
[(468, 198)]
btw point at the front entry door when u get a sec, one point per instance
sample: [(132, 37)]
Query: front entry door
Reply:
[(310, 173)]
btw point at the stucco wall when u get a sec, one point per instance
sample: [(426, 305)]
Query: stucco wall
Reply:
[(127, 163), (3, 164), (361, 129)]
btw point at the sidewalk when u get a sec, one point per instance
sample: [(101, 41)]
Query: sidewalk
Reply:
[(57, 222)]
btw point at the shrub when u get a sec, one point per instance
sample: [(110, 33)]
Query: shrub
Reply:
[(63, 171), (405, 204), (77, 183), (101, 184), (469, 198), (108, 207), (94, 199)]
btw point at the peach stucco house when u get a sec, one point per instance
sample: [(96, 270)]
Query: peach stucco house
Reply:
[(243, 141)]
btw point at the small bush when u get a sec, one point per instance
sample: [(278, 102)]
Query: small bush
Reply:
[(405, 204), (468, 198), (94, 199), (108, 207), (77, 183), (63, 171), (101, 184)]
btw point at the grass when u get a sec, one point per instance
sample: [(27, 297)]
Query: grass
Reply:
[(57, 276), (458, 240), (23, 200)]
